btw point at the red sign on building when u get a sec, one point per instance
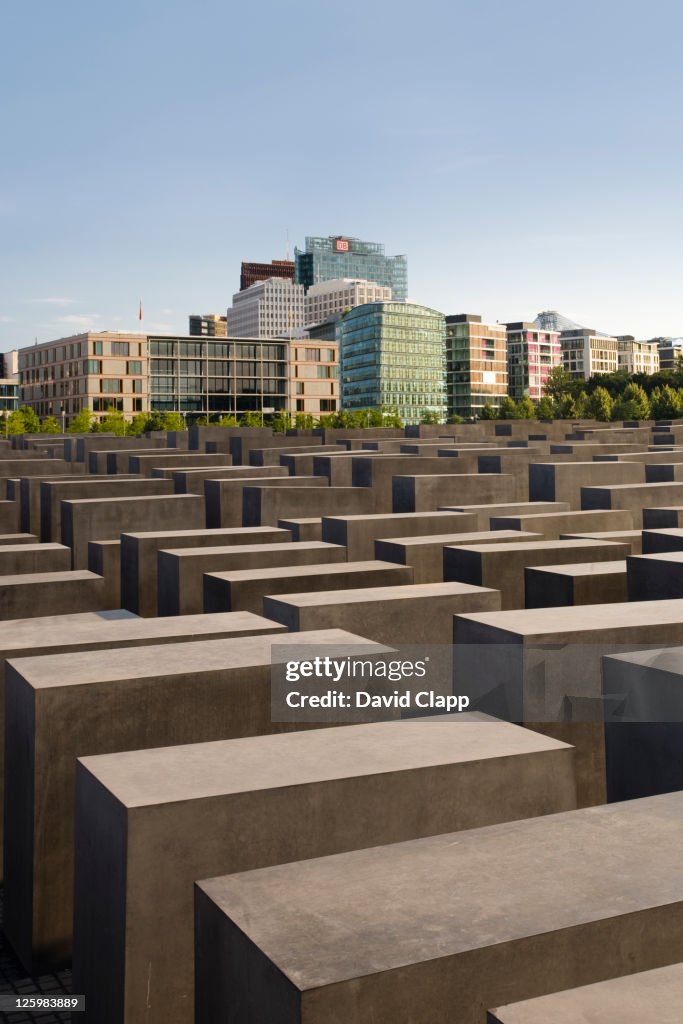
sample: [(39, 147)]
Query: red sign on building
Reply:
[(341, 245)]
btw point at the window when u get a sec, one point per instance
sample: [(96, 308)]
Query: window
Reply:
[(109, 386), (93, 366), (120, 348), (134, 367), (97, 348), (137, 386)]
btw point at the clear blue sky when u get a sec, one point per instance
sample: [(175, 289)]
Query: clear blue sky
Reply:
[(523, 155)]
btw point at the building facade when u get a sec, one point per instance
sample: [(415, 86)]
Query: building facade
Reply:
[(476, 365), (330, 297), (9, 394), (97, 371), (253, 272), (670, 352), (585, 352), (210, 325), (392, 355), (532, 353), (268, 309), (328, 259), (637, 356), (313, 377)]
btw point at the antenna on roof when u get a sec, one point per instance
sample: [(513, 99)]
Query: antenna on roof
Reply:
[(287, 250)]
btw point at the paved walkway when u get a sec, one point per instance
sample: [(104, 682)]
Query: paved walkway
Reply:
[(13, 979)]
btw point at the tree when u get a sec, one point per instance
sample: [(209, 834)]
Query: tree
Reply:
[(565, 407), (507, 410), (139, 424), (228, 421), (665, 403), (601, 405), (251, 418), (172, 421), (429, 417), (281, 421), (526, 410), (50, 425), (489, 412), (455, 419), (558, 384), (15, 423), (633, 404), (545, 410), (31, 421), (304, 421), (82, 422)]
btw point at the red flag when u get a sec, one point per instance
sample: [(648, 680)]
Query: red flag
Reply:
[(140, 313)]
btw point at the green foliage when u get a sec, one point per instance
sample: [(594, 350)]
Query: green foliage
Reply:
[(281, 422), (304, 421), (455, 419), (139, 424), (172, 421), (228, 421), (545, 409), (251, 418), (558, 384), (507, 410), (112, 423), (665, 403), (526, 410), (633, 404), (489, 412), (601, 405), (429, 417), (50, 425), (15, 423), (82, 422)]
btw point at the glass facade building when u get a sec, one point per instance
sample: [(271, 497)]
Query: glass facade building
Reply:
[(392, 355), (476, 365), (326, 259)]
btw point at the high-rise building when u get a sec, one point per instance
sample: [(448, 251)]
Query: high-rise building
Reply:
[(210, 325), (97, 371), (328, 259), (532, 353), (637, 356), (330, 297), (476, 365), (268, 309), (670, 352), (392, 356), (585, 352), (253, 272)]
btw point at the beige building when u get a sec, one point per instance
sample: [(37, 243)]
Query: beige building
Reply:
[(585, 352), (313, 377), (327, 298), (92, 370), (210, 325), (638, 356), (476, 365)]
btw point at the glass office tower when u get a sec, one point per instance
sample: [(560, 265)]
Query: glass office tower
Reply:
[(325, 259), (392, 354)]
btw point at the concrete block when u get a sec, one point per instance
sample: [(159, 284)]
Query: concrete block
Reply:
[(376, 472), (181, 571), (359, 533), (663, 518), (104, 559), (10, 518), (660, 540), (29, 595), (263, 801), (106, 460), (512, 508), (562, 481), (72, 705), (139, 552), (428, 493), (655, 577), (18, 538), (224, 495), (465, 920), (107, 518), (551, 524), (265, 505), (53, 492), (191, 481), (426, 554), (631, 537), (396, 615), (502, 565), (584, 583), (634, 497), (648, 995), (16, 559), (230, 591), (303, 529), (144, 464)]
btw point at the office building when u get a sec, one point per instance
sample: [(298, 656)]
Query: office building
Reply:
[(253, 272), (637, 356), (670, 352), (210, 325), (313, 377), (328, 259), (476, 365), (392, 355), (97, 371), (586, 352), (9, 394), (532, 353), (268, 309), (339, 295)]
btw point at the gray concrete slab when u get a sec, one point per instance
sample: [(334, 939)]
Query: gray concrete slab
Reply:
[(139, 553), (306, 528), (29, 595), (230, 591), (144, 464), (70, 705), (502, 565), (660, 540), (104, 559), (655, 996), (655, 577), (107, 518), (376, 472), (512, 508), (53, 492), (263, 801), (430, 492), (18, 538), (181, 571), (224, 495), (562, 481), (634, 497), (466, 920), (359, 533), (408, 614), (263, 505), (426, 554), (663, 518), (551, 524), (16, 559), (634, 538), (583, 583)]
